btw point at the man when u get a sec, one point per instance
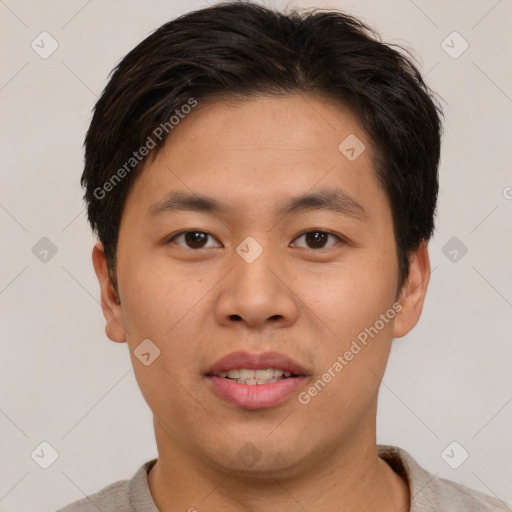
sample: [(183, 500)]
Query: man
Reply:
[(263, 187)]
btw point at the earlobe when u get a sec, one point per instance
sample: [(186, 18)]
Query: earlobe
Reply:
[(110, 304), (412, 295)]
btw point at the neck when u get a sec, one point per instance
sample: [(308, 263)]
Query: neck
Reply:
[(351, 478)]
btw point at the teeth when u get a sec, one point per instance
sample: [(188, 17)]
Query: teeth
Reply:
[(254, 377), (246, 374), (253, 382), (264, 374)]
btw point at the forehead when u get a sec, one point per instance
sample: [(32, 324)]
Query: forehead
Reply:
[(258, 149), (287, 125)]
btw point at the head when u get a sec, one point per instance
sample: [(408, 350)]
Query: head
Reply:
[(300, 155)]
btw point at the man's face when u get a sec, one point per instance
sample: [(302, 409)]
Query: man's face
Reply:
[(256, 276)]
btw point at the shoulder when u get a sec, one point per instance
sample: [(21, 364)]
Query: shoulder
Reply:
[(125, 495), (431, 493), (451, 494), (112, 498)]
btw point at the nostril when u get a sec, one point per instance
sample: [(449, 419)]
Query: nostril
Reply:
[(235, 317)]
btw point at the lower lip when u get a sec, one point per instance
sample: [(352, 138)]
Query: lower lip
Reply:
[(257, 396)]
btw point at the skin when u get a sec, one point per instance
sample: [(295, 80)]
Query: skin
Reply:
[(307, 303)]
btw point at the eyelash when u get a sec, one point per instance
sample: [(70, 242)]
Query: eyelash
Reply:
[(328, 233)]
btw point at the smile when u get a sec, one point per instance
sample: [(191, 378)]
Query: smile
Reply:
[(256, 381), (255, 377)]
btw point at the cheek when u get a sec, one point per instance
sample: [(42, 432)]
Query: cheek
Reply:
[(351, 360), (156, 297), (167, 306), (350, 297), (159, 306), (353, 307)]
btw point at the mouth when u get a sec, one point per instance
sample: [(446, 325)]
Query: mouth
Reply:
[(256, 381), (256, 377)]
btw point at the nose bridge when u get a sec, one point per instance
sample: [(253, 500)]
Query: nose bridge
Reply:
[(255, 293), (252, 260), (250, 250)]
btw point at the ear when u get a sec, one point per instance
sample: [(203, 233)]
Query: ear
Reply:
[(412, 295), (114, 327)]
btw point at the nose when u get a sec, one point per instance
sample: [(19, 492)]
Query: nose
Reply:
[(257, 293)]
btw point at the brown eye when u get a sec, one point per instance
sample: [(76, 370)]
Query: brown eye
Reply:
[(317, 239), (192, 239)]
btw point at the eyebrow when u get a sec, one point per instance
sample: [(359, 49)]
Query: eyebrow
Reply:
[(335, 200)]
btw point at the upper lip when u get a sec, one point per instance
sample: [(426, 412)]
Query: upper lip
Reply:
[(238, 360)]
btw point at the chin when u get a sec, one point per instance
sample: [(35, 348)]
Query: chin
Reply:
[(258, 457)]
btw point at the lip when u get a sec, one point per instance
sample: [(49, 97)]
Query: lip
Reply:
[(241, 359), (258, 396)]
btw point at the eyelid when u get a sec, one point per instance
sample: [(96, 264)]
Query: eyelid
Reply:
[(172, 237), (318, 230)]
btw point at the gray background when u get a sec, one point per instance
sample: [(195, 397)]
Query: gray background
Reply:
[(64, 382)]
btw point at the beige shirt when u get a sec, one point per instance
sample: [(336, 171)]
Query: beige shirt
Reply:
[(429, 493)]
